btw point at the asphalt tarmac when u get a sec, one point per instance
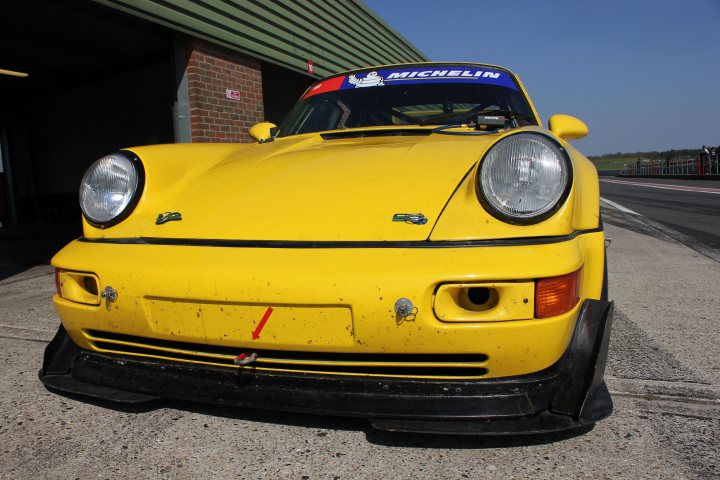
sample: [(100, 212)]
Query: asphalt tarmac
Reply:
[(663, 374), (691, 207)]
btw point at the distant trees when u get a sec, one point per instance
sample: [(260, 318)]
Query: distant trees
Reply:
[(666, 155)]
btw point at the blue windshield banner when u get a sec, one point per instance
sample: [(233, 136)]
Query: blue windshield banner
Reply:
[(417, 75)]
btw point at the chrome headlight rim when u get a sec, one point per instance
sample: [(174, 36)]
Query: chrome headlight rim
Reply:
[(134, 199), (534, 219)]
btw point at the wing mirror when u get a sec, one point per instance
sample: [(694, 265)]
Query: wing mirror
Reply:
[(567, 127), (262, 131)]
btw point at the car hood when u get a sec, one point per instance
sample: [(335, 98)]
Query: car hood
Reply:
[(314, 189)]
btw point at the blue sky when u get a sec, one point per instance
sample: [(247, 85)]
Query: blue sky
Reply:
[(643, 74)]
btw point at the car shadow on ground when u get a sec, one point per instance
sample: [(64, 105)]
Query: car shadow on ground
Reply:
[(318, 422), (12, 270)]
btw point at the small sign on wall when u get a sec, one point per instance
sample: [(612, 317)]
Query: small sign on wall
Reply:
[(232, 94), (310, 67)]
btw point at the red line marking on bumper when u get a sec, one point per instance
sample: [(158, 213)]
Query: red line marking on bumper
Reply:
[(261, 325)]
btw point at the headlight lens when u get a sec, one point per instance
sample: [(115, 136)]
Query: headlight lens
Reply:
[(524, 177), (109, 188)]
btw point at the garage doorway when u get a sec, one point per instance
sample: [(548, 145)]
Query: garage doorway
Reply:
[(84, 81)]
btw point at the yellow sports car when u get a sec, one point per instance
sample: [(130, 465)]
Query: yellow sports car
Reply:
[(411, 246)]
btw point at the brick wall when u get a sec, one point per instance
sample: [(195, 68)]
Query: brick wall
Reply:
[(210, 71)]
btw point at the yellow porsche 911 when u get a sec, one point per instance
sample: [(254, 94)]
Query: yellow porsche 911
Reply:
[(411, 246)]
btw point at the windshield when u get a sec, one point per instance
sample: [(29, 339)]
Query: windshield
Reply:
[(396, 97)]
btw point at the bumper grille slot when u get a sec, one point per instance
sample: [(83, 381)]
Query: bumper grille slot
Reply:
[(446, 366)]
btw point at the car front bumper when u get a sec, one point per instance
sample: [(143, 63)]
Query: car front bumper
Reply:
[(569, 394), (330, 301)]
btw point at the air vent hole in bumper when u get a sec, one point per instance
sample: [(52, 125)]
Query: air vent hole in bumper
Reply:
[(445, 366)]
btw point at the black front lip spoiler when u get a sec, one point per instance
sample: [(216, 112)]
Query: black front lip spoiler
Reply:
[(568, 395)]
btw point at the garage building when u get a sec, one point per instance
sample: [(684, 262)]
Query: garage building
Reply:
[(81, 78)]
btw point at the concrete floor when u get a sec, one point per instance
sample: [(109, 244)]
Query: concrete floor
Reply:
[(663, 373)]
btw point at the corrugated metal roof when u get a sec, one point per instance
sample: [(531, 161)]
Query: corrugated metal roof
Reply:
[(336, 35)]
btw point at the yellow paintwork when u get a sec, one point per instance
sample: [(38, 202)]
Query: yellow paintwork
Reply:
[(508, 301), (289, 190), (464, 218), (73, 288), (292, 325), (586, 191), (261, 131), (202, 282), (308, 188), (567, 127)]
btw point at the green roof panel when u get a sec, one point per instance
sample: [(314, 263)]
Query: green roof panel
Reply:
[(336, 35)]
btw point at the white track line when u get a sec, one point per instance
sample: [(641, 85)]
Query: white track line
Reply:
[(617, 206), (665, 186)]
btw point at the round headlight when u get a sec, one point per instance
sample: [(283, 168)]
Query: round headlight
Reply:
[(524, 178), (110, 188)]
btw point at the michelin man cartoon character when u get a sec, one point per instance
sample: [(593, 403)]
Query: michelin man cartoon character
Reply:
[(372, 79)]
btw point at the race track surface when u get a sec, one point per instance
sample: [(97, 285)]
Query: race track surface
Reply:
[(691, 207)]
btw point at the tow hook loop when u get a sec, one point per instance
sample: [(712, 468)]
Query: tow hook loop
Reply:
[(404, 307), (245, 359), (109, 294)]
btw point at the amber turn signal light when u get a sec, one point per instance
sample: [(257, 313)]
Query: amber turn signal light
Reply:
[(556, 295), (57, 283)]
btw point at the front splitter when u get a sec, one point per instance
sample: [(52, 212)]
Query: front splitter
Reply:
[(568, 395)]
